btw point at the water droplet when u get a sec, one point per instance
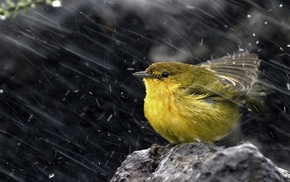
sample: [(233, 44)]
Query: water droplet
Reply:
[(30, 117), (51, 175), (109, 118)]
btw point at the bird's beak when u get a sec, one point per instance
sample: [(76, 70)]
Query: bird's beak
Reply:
[(142, 74)]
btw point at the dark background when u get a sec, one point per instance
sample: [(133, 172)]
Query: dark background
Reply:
[(70, 109)]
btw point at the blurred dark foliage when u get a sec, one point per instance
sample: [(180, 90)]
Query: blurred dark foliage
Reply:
[(70, 109)]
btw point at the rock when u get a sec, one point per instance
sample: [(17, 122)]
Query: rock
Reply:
[(199, 162)]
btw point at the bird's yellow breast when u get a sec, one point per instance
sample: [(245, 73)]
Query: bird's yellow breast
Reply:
[(179, 117)]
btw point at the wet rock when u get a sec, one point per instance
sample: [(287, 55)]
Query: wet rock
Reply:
[(199, 162)]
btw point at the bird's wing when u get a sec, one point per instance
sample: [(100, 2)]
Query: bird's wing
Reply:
[(238, 71)]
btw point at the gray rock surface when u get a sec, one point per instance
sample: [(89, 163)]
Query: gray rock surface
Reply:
[(199, 162)]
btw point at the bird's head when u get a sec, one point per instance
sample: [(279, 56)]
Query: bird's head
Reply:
[(167, 74)]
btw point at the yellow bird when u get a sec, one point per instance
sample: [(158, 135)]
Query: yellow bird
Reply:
[(186, 103)]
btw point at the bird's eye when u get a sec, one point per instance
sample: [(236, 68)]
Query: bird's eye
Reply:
[(165, 74)]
